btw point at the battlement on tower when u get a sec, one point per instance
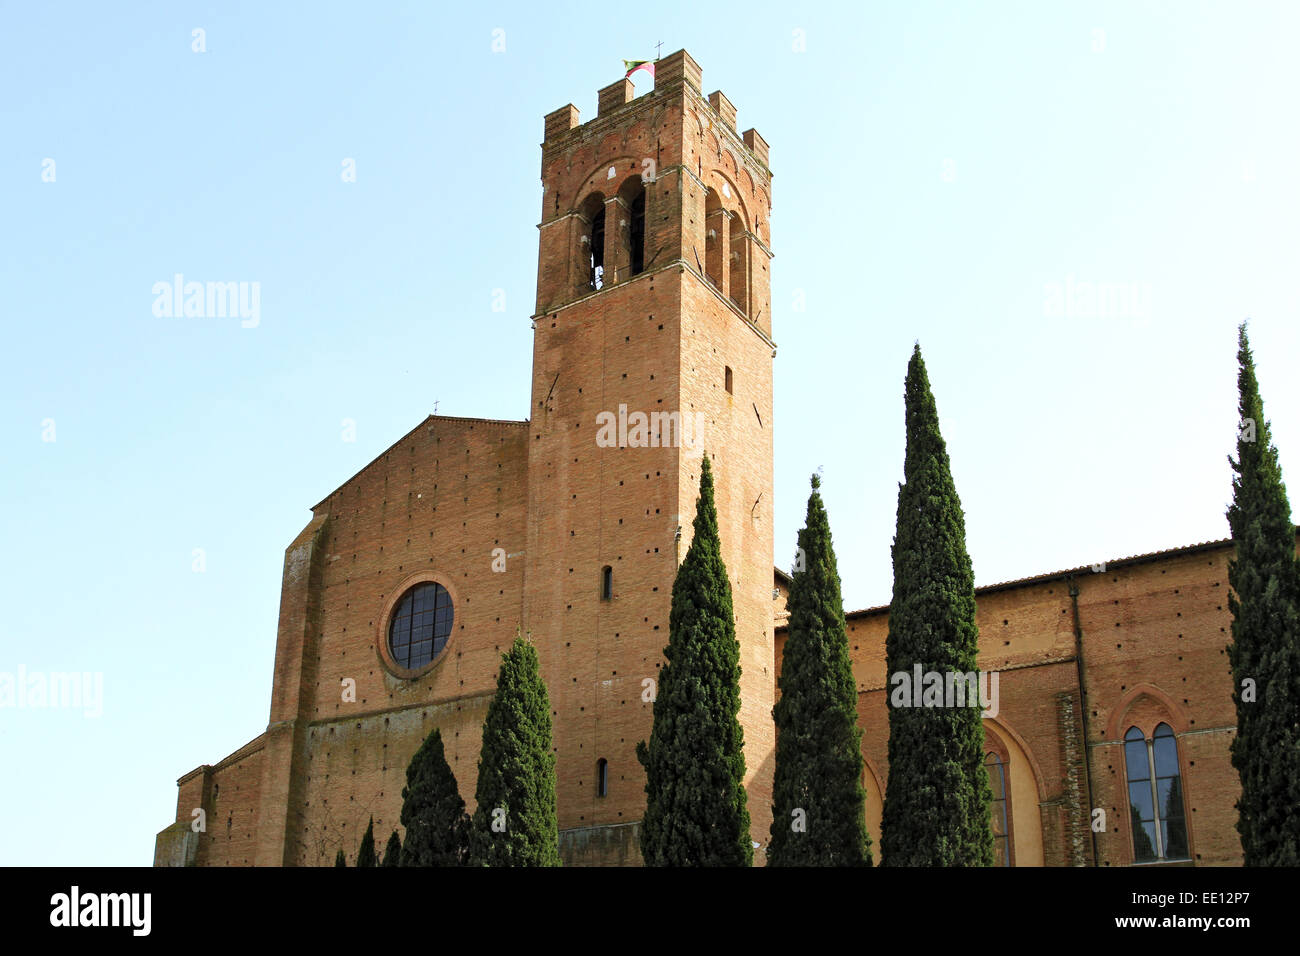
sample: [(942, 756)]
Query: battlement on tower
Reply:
[(659, 181), (673, 73)]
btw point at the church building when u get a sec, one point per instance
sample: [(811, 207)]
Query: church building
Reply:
[(652, 346)]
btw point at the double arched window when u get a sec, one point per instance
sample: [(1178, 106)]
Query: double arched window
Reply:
[(1155, 796), (612, 247), (726, 250)]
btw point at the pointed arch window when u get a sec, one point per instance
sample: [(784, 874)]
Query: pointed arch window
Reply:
[(1155, 796), (1000, 810)]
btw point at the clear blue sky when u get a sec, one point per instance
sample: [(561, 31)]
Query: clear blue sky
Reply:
[(937, 169)]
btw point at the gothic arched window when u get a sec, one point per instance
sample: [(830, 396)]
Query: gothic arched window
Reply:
[(1000, 810), (1155, 796)]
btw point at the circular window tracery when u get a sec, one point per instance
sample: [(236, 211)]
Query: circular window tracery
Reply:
[(420, 625)]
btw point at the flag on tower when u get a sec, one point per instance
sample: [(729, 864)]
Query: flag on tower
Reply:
[(633, 65)]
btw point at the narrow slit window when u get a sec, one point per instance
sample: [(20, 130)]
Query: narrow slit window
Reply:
[(602, 777), (607, 583), (727, 380)]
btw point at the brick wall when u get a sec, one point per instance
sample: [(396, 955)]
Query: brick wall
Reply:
[(1153, 633), (689, 334)]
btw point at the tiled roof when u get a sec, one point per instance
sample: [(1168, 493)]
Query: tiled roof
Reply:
[(1069, 572)]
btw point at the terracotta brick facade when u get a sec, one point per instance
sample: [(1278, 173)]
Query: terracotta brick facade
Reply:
[(519, 520), (1082, 657)]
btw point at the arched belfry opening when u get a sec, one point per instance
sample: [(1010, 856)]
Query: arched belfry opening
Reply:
[(632, 195), (638, 233), (591, 247), (715, 237), (738, 253)]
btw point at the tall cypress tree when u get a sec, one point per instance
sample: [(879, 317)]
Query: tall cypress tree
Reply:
[(339, 859), (515, 821), (393, 852), (818, 802), (696, 812), (937, 799), (433, 811), (366, 855), (1265, 604)]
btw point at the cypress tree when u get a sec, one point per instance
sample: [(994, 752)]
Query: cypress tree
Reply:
[(433, 811), (818, 802), (696, 812), (1265, 652), (339, 859), (515, 822), (393, 852), (937, 798), (366, 855)]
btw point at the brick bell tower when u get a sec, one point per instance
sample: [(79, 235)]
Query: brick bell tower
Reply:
[(653, 309)]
